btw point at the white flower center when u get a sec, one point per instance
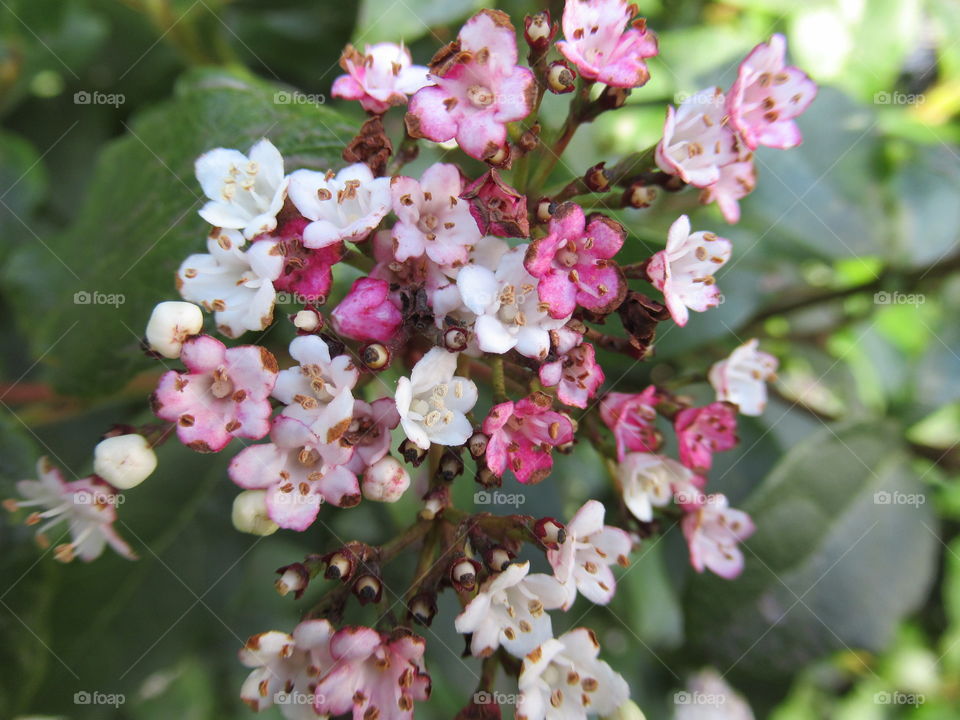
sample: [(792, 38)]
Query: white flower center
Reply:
[(480, 96), (432, 406)]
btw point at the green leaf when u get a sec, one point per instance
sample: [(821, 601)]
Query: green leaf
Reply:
[(140, 221), (845, 546), (386, 20)]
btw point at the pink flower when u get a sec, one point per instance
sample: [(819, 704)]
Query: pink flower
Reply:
[(307, 274), (576, 374), (741, 378), (431, 217), (601, 47), (573, 262), (479, 89), (703, 431), (498, 208), (367, 313), (299, 471), (713, 531), (381, 77), (631, 417), (736, 181), (697, 139), (369, 432), (767, 95), (522, 435), (373, 675), (224, 393), (683, 271), (583, 561)]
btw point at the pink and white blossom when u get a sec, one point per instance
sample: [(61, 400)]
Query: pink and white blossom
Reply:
[(88, 507), (650, 481), (479, 89), (373, 675), (383, 76), (564, 679), (767, 95), (631, 418), (683, 271), (522, 435), (582, 562), (697, 139), (224, 393), (307, 273), (574, 264), (431, 217), (598, 41), (742, 378), (509, 610), (344, 206), (713, 531), (369, 431), (367, 312), (433, 401), (577, 375), (703, 431), (234, 283), (736, 181), (245, 191)]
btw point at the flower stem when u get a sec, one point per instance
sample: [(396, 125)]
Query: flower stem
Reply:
[(498, 380)]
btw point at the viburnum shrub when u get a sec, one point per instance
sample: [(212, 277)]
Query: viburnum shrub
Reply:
[(476, 285)]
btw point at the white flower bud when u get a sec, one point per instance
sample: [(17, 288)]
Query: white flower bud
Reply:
[(628, 711), (171, 323), (124, 461), (307, 320), (250, 513), (385, 481)]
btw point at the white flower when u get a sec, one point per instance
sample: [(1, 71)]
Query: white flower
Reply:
[(245, 193), (650, 481), (725, 703), (510, 610), (345, 206), (433, 402), (318, 391), (589, 548), (683, 271), (124, 461), (170, 324), (564, 680), (235, 285), (509, 312), (741, 378)]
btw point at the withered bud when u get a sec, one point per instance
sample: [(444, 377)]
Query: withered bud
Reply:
[(613, 98), (477, 444), (370, 146), (596, 178), (463, 574), (538, 30), (423, 608), (640, 316), (368, 589), (561, 78), (293, 579), (340, 565), (529, 139), (412, 453), (451, 466), (551, 532), (498, 558), (455, 339), (435, 501), (375, 356), (545, 210), (498, 157), (639, 195), (488, 478)]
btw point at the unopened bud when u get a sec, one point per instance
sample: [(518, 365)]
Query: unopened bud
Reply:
[(435, 501), (171, 323), (538, 31), (375, 356), (628, 711), (249, 514), (124, 461), (368, 589), (596, 178), (488, 478), (451, 466), (423, 608), (499, 158), (463, 574), (529, 139), (386, 480), (477, 444), (412, 453), (498, 558), (545, 209), (613, 98), (455, 339), (639, 195), (561, 78), (308, 321), (293, 579), (568, 446), (550, 532)]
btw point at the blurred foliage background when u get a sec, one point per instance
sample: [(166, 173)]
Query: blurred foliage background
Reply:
[(844, 264)]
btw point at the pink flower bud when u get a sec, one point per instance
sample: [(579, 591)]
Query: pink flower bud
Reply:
[(367, 313), (385, 481)]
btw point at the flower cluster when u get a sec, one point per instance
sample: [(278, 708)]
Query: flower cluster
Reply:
[(475, 337)]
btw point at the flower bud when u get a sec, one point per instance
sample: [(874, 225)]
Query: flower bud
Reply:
[(561, 78), (293, 579), (435, 501), (124, 461), (463, 574), (613, 98), (368, 589), (412, 453), (477, 444), (596, 178), (639, 195), (538, 31), (308, 320), (423, 608), (451, 466), (499, 158), (375, 356), (488, 478), (568, 446), (545, 210), (339, 566), (455, 339), (249, 514), (551, 532), (628, 711), (170, 324), (529, 139), (498, 558), (385, 481)]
